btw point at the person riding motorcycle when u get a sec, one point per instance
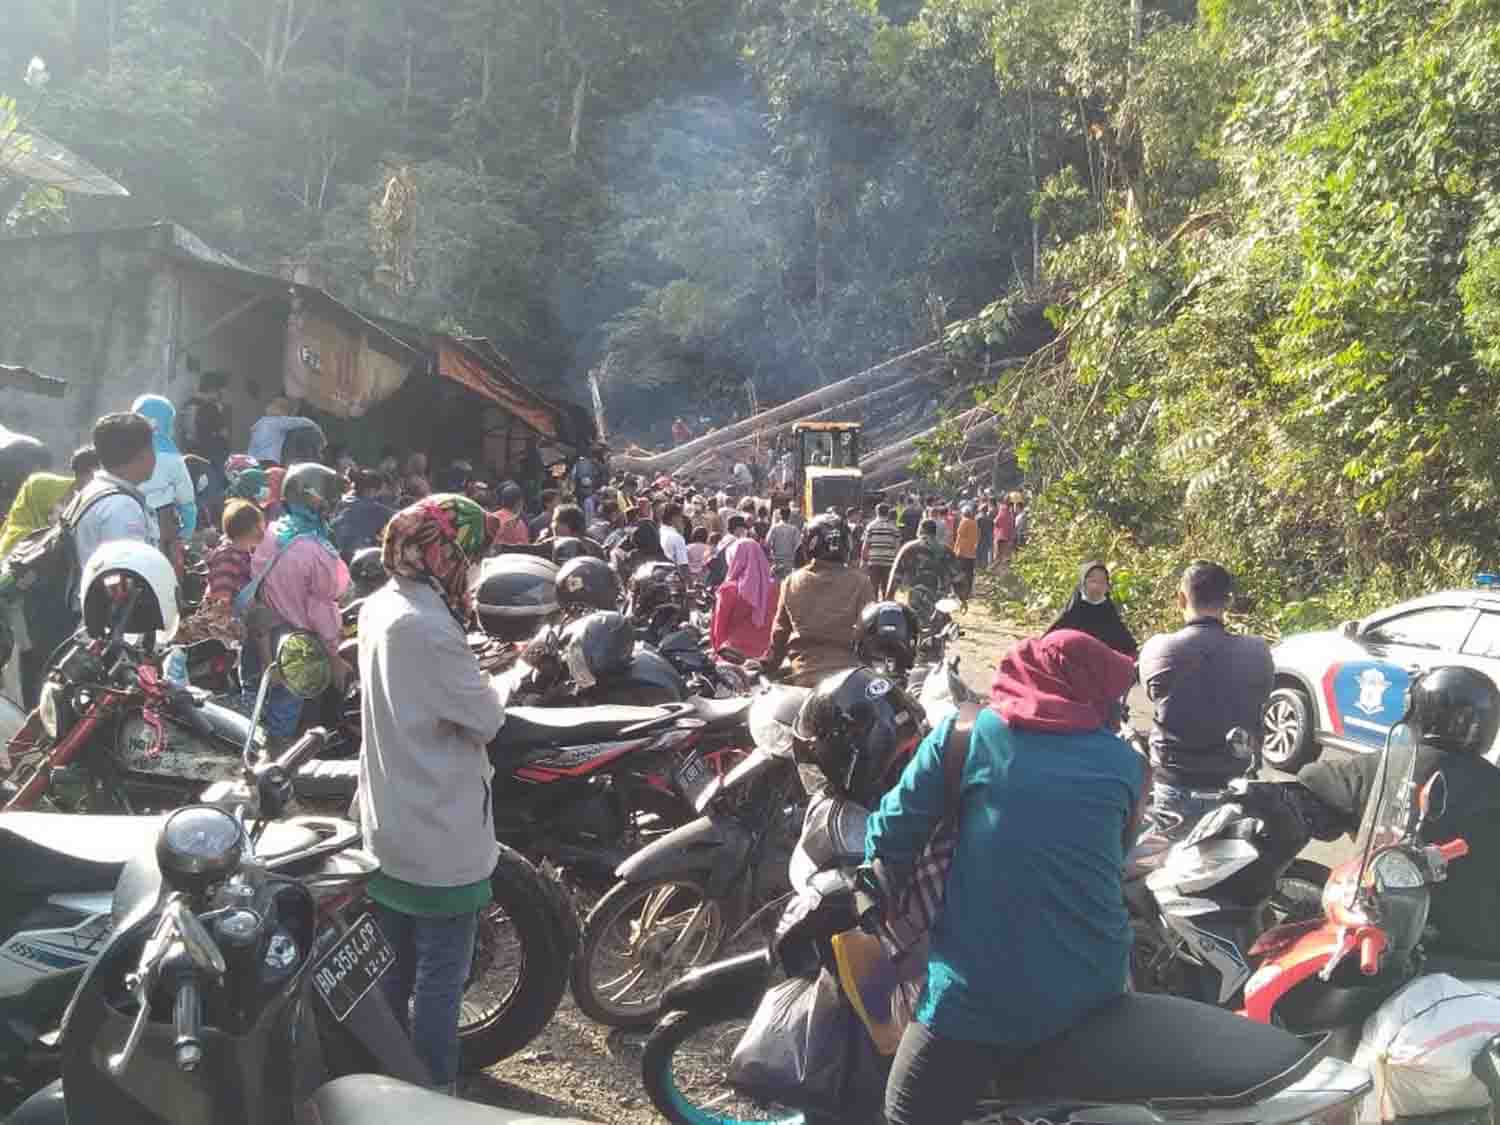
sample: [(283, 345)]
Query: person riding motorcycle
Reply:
[(926, 570), (585, 585), (820, 608), (1455, 716), (888, 636), (1202, 681)]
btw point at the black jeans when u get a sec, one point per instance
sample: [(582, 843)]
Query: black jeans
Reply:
[(937, 1081)]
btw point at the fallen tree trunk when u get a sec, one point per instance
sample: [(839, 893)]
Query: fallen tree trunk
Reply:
[(856, 386), (896, 459)]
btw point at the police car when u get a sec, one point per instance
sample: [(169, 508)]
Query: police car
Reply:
[(1346, 687)]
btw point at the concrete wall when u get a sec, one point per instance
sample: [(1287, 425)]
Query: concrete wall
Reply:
[(101, 311), (91, 309)]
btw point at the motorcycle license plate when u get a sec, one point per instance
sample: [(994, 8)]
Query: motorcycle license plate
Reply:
[(351, 968)]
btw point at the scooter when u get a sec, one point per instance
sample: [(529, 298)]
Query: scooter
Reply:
[(1143, 1059), (681, 897), (57, 872), (225, 996)]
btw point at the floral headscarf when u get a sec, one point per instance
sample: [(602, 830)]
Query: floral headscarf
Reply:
[(436, 540)]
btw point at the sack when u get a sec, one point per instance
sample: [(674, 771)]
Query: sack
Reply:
[(798, 1047), (913, 907), (1420, 1047), (53, 550)]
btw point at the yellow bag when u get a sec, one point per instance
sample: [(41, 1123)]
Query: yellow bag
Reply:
[(882, 990)]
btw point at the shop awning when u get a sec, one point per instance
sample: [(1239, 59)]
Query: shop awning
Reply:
[(474, 363)]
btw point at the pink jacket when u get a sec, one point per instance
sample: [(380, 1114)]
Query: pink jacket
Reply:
[(304, 586)]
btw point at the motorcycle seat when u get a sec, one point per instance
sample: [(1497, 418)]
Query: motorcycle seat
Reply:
[(721, 713), (360, 1099), (1147, 1047), (530, 727), (61, 853)]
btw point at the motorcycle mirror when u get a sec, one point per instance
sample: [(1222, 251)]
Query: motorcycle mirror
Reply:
[(1432, 801), (303, 665), (1349, 630)]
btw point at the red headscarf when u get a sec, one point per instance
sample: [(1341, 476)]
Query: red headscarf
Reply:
[(1064, 682)]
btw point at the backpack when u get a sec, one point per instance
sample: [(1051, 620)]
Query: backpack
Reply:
[(52, 551)]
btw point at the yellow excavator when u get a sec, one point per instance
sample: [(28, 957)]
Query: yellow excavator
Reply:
[(827, 466)]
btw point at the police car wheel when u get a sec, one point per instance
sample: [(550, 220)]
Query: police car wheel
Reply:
[(1288, 744)]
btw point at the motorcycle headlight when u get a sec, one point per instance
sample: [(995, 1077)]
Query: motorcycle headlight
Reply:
[(1396, 871), (52, 709)]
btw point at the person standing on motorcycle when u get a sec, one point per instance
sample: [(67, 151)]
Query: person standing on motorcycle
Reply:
[(1455, 716), (1033, 933), (301, 581), (1202, 681), (818, 618), (923, 564), (425, 801)]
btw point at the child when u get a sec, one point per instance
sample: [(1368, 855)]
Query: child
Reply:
[(228, 573)]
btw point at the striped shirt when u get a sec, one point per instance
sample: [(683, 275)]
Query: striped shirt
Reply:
[(228, 571), (882, 541)]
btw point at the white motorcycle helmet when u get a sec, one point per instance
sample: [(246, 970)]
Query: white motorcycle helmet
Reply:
[(111, 575)]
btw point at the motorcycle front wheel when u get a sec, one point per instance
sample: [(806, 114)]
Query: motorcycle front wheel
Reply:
[(639, 939), (685, 1071), (520, 968)]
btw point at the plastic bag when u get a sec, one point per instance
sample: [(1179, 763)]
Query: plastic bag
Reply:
[(1420, 1046), (797, 1047)]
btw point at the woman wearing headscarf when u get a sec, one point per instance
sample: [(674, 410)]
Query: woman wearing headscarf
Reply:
[(1048, 798), (169, 492), (1091, 610), (745, 602), (428, 713), (301, 580)]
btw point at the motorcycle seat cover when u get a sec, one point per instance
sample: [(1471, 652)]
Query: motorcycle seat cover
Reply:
[(1145, 1047), (721, 712), (360, 1099), (526, 727), (59, 853)]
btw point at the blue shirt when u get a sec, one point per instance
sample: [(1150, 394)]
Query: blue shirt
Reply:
[(1033, 933)]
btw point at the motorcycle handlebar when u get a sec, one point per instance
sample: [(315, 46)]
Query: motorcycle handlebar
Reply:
[(187, 1017), (304, 749)]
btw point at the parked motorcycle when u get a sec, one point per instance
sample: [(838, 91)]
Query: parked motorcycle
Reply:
[(1139, 1058), (57, 874), (111, 734), (233, 988), (680, 898), (1198, 905), (1334, 971)]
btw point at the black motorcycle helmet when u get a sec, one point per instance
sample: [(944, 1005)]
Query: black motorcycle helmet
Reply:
[(516, 595), (827, 538), (888, 631), (313, 485), (587, 583), (859, 729), (1455, 709), (567, 549), (596, 647), (366, 570), (654, 586)]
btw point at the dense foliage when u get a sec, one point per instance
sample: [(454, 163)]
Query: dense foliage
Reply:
[(1277, 346)]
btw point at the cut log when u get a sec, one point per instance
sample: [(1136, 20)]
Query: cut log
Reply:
[(856, 386)]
